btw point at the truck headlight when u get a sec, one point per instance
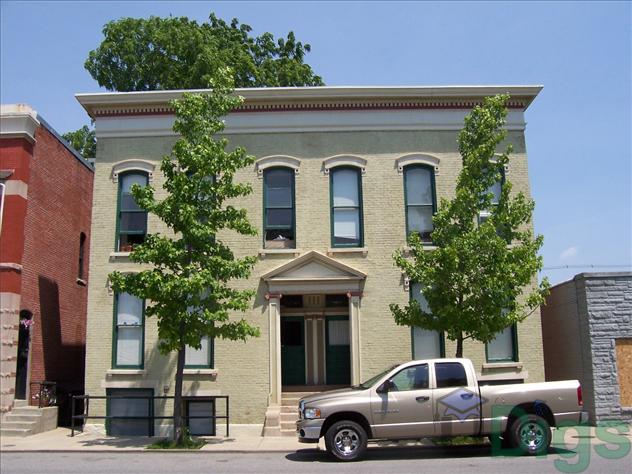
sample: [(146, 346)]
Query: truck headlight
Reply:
[(311, 413)]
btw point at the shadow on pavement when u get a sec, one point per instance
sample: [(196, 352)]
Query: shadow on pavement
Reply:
[(376, 453)]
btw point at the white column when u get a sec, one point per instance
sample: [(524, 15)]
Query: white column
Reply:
[(274, 315), (354, 322)]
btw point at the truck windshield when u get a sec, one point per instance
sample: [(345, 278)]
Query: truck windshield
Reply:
[(369, 383)]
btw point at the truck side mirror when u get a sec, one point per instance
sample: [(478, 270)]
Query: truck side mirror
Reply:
[(387, 386)]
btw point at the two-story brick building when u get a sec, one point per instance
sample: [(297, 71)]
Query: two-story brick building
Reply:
[(342, 174)]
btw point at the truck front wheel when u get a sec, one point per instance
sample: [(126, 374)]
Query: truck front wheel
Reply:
[(346, 440), (532, 434)]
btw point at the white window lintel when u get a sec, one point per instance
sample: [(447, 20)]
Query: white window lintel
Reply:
[(418, 159), (276, 161), (344, 160), (133, 165)]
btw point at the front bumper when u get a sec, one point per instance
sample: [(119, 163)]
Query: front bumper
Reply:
[(308, 431)]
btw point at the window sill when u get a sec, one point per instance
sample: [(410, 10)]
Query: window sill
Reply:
[(119, 255), (427, 247), (294, 252), (112, 372), (211, 372), (341, 250), (503, 365), (82, 282)]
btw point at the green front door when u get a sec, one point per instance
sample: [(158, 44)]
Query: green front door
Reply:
[(338, 355), (293, 350)]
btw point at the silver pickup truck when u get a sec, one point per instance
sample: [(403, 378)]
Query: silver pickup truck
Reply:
[(437, 398)]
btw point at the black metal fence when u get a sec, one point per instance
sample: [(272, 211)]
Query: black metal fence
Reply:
[(45, 393), (151, 417)]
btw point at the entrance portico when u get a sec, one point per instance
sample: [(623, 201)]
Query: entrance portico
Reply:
[(314, 276)]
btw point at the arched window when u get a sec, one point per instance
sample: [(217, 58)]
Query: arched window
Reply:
[(420, 197), (278, 203), (346, 207), (132, 220)]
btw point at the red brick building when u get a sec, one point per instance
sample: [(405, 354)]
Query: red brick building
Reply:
[(44, 239)]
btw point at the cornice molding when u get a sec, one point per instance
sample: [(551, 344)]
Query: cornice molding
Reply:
[(283, 99), (18, 121)]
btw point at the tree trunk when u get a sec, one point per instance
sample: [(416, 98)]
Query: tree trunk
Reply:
[(459, 346), (177, 401)]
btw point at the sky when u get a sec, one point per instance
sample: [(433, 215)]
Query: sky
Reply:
[(579, 128)]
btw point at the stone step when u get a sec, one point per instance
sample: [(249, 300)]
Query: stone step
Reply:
[(288, 425), (11, 416), (26, 411), (17, 403), (17, 432), (289, 416), (289, 409), (288, 432), (19, 425)]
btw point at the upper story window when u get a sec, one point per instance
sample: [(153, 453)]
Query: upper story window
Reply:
[(420, 197), (278, 202), (129, 330), (426, 344), (496, 190), (132, 220), (346, 207)]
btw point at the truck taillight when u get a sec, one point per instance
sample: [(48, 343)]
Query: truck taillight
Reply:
[(580, 400)]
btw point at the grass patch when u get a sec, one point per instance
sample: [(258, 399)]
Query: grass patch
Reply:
[(189, 442), (459, 441)]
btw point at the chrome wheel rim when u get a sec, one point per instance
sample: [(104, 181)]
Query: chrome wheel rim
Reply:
[(532, 436), (347, 441)]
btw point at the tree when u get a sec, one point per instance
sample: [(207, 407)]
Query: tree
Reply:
[(82, 140), (187, 287), (478, 280), (139, 54)]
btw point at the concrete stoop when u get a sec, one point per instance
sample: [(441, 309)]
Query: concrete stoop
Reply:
[(24, 420), (281, 419)]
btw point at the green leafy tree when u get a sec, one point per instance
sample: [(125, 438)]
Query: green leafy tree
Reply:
[(82, 140), (188, 286), (140, 54), (478, 280)]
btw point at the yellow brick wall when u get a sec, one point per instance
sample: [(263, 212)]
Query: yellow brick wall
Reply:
[(243, 367)]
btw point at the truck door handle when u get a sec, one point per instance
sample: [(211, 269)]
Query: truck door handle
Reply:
[(466, 396), (422, 399)]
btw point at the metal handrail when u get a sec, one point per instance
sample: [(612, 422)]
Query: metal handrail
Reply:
[(47, 391), (151, 416)]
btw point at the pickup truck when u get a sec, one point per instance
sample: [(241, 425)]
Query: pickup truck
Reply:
[(437, 398)]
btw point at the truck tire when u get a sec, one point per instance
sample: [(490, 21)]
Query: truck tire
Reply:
[(532, 434), (346, 440)]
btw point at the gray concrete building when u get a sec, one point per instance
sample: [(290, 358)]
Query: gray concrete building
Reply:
[(587, 335)]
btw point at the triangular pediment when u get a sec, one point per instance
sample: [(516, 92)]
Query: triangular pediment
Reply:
[(313, 266)]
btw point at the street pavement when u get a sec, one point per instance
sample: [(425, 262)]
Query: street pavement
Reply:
[(456, 460), (245, 451)]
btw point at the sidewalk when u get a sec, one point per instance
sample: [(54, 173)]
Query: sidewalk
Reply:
[(243, 439)]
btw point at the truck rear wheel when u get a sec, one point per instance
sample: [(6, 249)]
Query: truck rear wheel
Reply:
[(531, 433), (346, 440)]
